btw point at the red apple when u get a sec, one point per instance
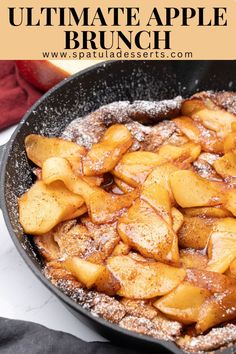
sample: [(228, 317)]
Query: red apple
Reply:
[(41, 73), (44, 74)]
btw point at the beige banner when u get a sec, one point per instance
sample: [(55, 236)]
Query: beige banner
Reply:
[(112, 29)]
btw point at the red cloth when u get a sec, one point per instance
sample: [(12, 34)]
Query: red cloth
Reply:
[(16, 94)]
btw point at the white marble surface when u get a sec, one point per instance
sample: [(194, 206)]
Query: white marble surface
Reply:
[(23, 296)]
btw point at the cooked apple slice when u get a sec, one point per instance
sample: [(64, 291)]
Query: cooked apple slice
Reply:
[(121, 249), (191, 190), (124, 187), (75, 214), (134, 167), (40, 148), (190, 258), (104, 156), (233, 268), (158, 197), (212, 281), (230, 142), (191, 106), (144, 280), (188, 127), (217, 211), (222, 245), (217, 309), (195, 232), (146, 231), (186, 152), (217, 120), (226, 165), (231, 271), (183, 303), (86, 272), (43, 207), (107, 283), (161, 175), (102, 206), (210, 115), (233, 127), (196, 132), (177, 218), (230, 204)]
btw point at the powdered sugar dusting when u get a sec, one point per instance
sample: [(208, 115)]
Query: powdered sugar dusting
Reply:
[(216, 338)]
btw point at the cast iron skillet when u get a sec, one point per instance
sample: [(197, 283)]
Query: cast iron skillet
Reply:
[(75, 97)]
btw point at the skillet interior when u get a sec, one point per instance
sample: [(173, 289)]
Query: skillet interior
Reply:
[(79, 95)]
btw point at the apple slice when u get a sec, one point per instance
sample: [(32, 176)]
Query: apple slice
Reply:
[(222, 245), (177, 218), (190, 258), (86, 272), (42, 207), (184, 153), (144, 280), (191, 190), (40, 148), (226, 165), (134, 167), (183, 303), (146, 231), (103, 207), (159, 199), (217, 309), (161, 175), (104, 156), (195, 231)]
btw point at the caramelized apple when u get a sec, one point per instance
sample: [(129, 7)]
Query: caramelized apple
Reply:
[(40, 148), (230, 142), (124, 187), (191, 106), (161, 175), (195, 232), (186, 152), (232, 268), (212, 281), (86, 272), (196, 132), (177, 219), (191, 190), (188, 127), (230, 204), (183, 303), (218, 120), (222, 245), (107, 283), (134, 167), (102, 206), (43, 207), (217, 211), (190, 258), (103, 157), (146, 231), (144, 280), (158, 197), (226, 165), (217, 309), (121, 249)]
